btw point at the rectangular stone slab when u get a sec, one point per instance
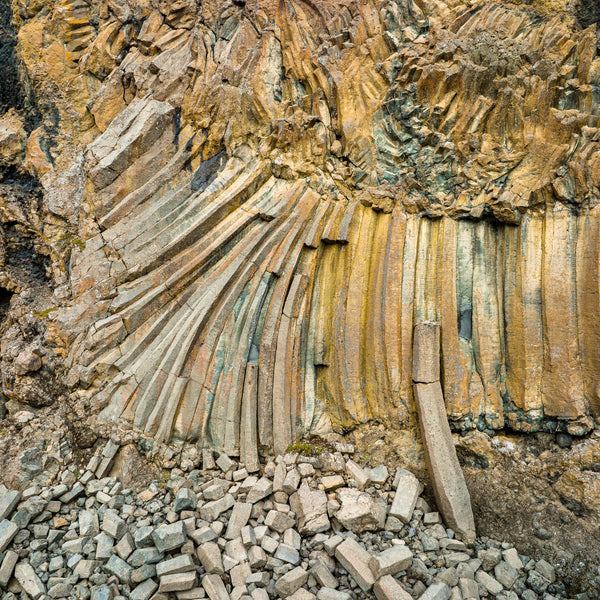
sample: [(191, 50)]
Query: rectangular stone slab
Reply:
[(387, 588), (7, 567), (355, 559), (408, 488), (391, 561), (426, 352), (451, 493), (8, 502), (30, 582), (8, 530)]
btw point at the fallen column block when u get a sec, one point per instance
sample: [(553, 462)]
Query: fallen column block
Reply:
[(8, 502), (437, 591), (214, 587), (8, 530), (32, 585), (355, 559), (450, 489), (391, 561), (387, 588), (408, 489), (7, 567), (451, 493)]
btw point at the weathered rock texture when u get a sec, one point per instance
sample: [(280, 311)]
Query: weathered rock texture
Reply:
[(246, 206)]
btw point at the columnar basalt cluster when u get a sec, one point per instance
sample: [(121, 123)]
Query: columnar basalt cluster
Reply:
[(254, 203)]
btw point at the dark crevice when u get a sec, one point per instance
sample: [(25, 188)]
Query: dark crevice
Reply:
[(465, 324), (22, 258), (21, 255), (20, 244), (588, 12), (177, 124), (15, 88), (11, 95), (51, 129), (207, 171), (5, 297), (11, 175)]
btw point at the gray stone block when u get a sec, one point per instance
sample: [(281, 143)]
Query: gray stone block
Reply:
[(169, 537), (8, 530)]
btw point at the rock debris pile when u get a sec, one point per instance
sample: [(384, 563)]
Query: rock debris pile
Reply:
[(301, 527)]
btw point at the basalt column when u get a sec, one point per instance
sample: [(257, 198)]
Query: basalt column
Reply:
[(451, 493), (273, 196)]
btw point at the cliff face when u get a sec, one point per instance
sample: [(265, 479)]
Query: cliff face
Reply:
[(220, 221), (245, 207)]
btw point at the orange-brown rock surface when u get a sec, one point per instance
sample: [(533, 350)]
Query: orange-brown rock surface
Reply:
[(221, 220), (248, 205)]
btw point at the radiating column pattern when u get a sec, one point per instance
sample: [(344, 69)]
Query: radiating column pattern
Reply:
[(263, 232), (287, 312)]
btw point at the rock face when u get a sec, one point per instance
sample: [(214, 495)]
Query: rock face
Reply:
[(220, 221), (246, 207), (263, 185)]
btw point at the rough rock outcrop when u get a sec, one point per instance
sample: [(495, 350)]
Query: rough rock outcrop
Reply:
[(270, 196), (221, 220)]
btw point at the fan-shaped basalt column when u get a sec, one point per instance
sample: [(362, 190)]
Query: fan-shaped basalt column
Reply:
[(320, 297), (241, 294)]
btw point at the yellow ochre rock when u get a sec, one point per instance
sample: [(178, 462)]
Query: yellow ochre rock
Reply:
[(269, 195)]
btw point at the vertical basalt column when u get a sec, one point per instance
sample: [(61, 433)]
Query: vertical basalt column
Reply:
[(451, 493), (248, 424)]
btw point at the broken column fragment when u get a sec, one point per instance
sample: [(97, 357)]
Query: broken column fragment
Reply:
[(426, 353), (451, 493)]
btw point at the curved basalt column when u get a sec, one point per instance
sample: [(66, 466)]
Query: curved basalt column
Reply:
[(274, 208)]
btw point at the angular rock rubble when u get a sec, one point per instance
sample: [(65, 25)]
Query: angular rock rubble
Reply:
[(304, 528)]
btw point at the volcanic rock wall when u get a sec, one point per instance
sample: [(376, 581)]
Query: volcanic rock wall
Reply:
[(254, 202)]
